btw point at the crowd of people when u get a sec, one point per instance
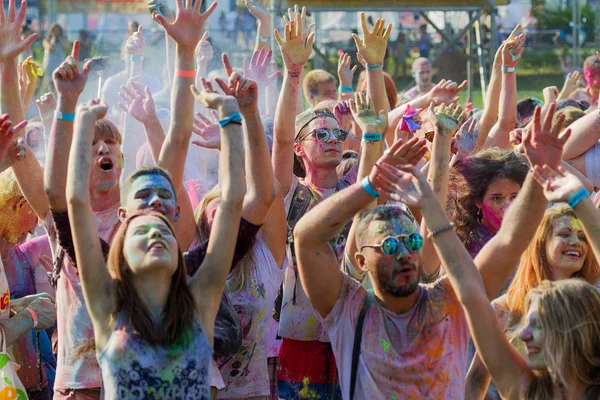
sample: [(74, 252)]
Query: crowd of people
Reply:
[(219, 240)]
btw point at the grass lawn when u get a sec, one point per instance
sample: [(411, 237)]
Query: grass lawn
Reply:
[(528, 85)]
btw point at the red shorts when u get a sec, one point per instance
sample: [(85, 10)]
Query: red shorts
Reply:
[(306, 359)]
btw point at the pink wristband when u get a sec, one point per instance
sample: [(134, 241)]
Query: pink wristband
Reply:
[(33, 316), (185, 73)]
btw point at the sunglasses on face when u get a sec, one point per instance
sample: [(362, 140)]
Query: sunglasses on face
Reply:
[(391, 244), (324, 135)]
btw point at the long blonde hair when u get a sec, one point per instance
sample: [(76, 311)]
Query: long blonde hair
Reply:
[(569, 314), (534, 267)]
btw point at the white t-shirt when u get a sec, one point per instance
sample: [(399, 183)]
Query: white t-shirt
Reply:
[(298, 320)]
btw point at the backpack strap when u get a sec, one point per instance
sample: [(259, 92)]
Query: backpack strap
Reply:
[(57, 266), (300, 203), (357, 342)]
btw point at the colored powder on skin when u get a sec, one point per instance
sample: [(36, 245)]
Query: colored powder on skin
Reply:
[(576, 224)]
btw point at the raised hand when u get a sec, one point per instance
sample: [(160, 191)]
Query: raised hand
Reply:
[(11, 44), (293, 14), (92, 110), (258, 10), (210, 98), (257, 69), (345, 73), (466, 138), (364, 114), (204, 50), (46, 105), (403, 182), (343, 114), (155, 6), (209, 131), (136, 44), (371, 48), (138, 102), (7, 135), (550, 94), (542, 144), (571, 82), (445, 92), (409, 151), (516, 140), (244, 90), (446, 119), (295, 51), (559, 184), (187, 27), (68, 80), (512, 51)]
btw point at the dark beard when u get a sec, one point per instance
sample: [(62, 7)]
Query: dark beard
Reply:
[(400, 291), (397, 291)]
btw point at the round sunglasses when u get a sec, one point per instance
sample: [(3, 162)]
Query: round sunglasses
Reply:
[(324, 135), (391, 245)]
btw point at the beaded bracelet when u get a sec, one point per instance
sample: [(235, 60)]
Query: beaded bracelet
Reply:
[(438, 231)]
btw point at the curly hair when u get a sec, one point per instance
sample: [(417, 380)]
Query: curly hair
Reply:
[(479, 171)]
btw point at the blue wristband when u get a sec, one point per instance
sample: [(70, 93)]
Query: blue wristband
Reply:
[(64, 116), (346, 89), (506, 69), (371, 137), (372, 67), (136, 58), (263, 39), (369, 189), (235, 118), (577, 197)]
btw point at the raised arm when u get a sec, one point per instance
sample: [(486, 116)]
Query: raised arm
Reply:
[(562, 186), (264, 29), (585, 133), (542, 146), (27, 170), (507, 118), (69, 83), (186, 30), (138, 102), (7, 139), (95, 279), (136, 47), (446, 122), (295, 52), (345, 76), (208, 282), (506, 364)]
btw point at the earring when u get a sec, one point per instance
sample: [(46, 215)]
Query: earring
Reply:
[(479, 215)]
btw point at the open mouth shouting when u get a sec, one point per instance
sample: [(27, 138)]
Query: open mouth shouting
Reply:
[(106, 164)]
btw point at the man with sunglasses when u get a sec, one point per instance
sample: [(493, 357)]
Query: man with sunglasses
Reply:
[(407, 340), (305, 157)]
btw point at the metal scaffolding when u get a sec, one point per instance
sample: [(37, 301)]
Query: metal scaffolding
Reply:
[(475, 9)]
